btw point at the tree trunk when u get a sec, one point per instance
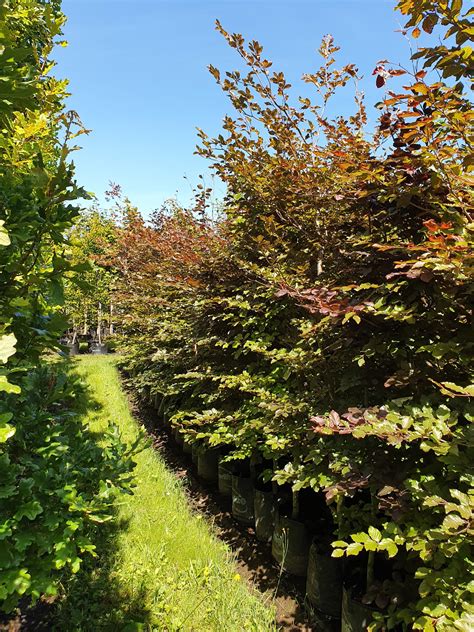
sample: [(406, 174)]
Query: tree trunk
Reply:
[(296, 506), (99, 323), (111, 324), (84, 329)]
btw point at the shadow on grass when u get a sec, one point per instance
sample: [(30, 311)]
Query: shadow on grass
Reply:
[(97, 598)]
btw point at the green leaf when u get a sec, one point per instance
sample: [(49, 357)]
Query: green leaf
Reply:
[(76, 565), (4, 237), (8, 387), (437, 610), (337, 553), (354, 548), (352, 315), (29, 510), (453, 522), (375, 534), (360, 537), (7, 347), (133, 626), (451, 387), (370, 545), (57, 292), (6, 431), (391, 548)]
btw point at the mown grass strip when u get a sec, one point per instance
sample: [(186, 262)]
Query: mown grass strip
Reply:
[(159, 566)]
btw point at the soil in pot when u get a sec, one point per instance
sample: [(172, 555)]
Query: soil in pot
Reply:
[(324, 581), (265, 511), (225, 469), (290, 545), (243, 499), (207, 464)]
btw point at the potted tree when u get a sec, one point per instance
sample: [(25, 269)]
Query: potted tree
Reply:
[(291, 539)]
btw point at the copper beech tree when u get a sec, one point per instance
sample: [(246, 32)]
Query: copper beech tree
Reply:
[(322, 321)]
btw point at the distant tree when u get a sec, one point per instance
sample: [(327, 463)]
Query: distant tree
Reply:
[(89, 292)]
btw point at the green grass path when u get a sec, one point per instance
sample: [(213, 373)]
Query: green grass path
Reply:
[(159, 567)]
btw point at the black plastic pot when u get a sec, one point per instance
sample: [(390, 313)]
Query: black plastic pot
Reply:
[(224, 477), (73, 348), (243, 500), (178, 437), (166, 421), (145, 394), (207, 464), (320, 621), (264, 506), (324, 582), (99, 349), (157, 401), (356, 616), (290, 545), (195, 453)]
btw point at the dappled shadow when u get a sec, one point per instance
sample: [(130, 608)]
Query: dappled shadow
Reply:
[(95, 598), (253, 558)]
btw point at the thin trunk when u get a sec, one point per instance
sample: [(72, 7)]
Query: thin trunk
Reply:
[(111, 324), (371, 557), (274, 483), (254, 460), (296, 506), (370, 570), (99, 323), (84, 329), (339, 503)]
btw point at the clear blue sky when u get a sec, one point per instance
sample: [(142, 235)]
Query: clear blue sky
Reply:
[(139, 80)]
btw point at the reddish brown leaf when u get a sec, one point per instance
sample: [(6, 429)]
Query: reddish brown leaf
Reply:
[(429, 23)]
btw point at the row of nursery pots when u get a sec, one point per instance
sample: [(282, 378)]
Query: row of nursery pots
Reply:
[(95, 348), (295, 544)]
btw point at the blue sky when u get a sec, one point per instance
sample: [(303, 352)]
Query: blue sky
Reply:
[(139, 80)]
